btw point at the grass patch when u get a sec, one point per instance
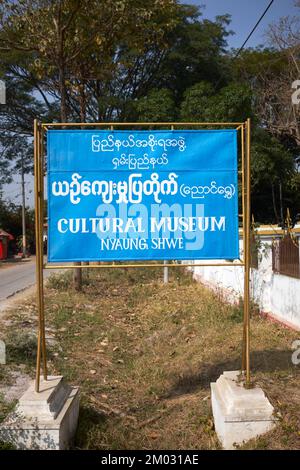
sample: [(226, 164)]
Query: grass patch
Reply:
[(21, 347), (5, 407), (144, 354)]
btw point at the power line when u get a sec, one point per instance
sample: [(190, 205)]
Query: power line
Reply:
[(250, 34), (247, 39)]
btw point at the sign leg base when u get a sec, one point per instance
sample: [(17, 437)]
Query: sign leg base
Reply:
[(239, 414), (45, 420)]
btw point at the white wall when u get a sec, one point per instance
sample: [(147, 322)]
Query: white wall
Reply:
[(275, 294)]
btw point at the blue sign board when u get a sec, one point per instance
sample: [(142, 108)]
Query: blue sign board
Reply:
[(142, 195)]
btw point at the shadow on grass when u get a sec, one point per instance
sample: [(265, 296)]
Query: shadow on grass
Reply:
[(268, 361), (89, 422)]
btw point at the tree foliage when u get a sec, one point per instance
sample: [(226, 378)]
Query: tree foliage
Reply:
[(140, 60)]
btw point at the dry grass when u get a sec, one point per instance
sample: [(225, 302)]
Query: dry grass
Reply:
[(144, 354)]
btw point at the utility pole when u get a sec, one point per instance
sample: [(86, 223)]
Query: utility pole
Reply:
[(281, 204), (23, 209), (166, 273)]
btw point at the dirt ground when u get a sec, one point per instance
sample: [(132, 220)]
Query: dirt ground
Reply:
[(144, 354)]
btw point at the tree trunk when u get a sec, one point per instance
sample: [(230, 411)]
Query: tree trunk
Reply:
[(77, 274), (77, 277), (62, 73), (63, 94)]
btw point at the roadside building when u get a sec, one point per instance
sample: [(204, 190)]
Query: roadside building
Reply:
[(5, 238)]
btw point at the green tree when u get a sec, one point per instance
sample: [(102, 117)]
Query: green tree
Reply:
[(191, 50), (71, 48), (197, 102), (202, 103), (196, 52), (274, 178), (16, 128), (157, 106)]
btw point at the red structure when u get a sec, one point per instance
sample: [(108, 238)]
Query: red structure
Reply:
[(4, 239)]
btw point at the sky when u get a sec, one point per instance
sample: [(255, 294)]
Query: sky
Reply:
[(244, 15)]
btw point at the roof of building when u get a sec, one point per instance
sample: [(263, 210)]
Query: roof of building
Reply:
[(6, 234)]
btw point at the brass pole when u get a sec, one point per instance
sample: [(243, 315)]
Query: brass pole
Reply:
[(246, 228), (244, 239), (247, 259), (41, 200), (145, 265), (147, 124), (37, 245), (38, 185), (166, 269)]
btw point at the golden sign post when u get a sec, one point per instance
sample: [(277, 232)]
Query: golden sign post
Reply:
[(40, 129)]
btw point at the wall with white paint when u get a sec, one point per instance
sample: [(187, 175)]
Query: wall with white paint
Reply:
[(275, 294)]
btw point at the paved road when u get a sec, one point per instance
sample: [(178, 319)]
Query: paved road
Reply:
[(17, 277)]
